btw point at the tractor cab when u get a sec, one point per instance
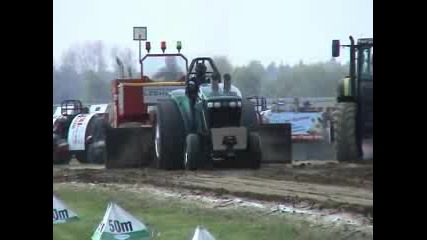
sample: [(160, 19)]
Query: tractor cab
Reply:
[(71, 108), (218, 100), (164, 67), (210, 68), (214, 86)]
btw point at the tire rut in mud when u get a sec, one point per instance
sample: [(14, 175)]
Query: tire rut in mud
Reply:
[(271, 183)]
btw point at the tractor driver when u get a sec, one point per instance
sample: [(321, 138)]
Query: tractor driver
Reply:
[(194, 83), (200, 77)]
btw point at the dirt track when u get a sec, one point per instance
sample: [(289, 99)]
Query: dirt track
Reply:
[(318, 184)]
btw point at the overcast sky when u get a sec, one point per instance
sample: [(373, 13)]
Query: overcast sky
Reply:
[(243, 30)]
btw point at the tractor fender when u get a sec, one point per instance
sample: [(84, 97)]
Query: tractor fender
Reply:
[(77, 131), (183, 104)]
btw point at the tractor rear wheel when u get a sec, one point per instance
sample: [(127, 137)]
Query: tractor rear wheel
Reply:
[(249, 115), (169, 136), (254, 150), (345, 141), (251, 120), (96, 151)]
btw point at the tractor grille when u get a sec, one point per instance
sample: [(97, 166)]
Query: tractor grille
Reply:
[(224, 117)]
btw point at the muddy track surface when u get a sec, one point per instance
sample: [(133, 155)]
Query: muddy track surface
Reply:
[(330, 185)]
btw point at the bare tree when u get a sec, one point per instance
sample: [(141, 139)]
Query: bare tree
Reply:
[(92, 57)]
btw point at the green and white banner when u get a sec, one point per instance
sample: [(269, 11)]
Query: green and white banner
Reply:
[(61, 213), (118, 224), (202, 234)]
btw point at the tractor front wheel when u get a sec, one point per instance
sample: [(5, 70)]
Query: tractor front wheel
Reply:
[(192, 152)]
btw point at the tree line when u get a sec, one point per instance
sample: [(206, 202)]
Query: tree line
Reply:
[(85, 72)]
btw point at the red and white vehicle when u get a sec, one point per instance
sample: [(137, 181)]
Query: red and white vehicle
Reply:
[(130, 141), (78, 132)]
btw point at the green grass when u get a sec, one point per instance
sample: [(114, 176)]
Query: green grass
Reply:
[(176, 219)]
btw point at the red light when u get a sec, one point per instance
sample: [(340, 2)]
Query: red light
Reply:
[(148, 46), (163, 46)]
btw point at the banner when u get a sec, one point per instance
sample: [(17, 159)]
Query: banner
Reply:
[(311, 123)]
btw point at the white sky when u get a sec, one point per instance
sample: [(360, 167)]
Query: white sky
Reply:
[(243, 30)]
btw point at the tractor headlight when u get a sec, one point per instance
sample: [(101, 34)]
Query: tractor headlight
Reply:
[(217, 104)]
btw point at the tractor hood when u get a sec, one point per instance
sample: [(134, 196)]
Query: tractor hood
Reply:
[(207, 93)]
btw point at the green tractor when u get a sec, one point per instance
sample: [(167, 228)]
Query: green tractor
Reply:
[(353, 118), (206, 122)]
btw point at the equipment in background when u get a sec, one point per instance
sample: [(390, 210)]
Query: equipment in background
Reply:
[(353, 117)]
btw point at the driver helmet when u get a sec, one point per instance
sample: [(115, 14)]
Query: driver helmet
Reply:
[(200, 69)]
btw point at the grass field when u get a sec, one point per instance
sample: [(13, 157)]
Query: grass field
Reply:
[(176, 219)]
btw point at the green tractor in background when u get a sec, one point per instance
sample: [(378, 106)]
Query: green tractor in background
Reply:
[(353, 118), (215, 124)]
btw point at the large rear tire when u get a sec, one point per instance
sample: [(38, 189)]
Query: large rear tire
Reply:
[(169, 136), (97, 128), (249, 115), (96, 151), (345, 140), (251, 120)]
